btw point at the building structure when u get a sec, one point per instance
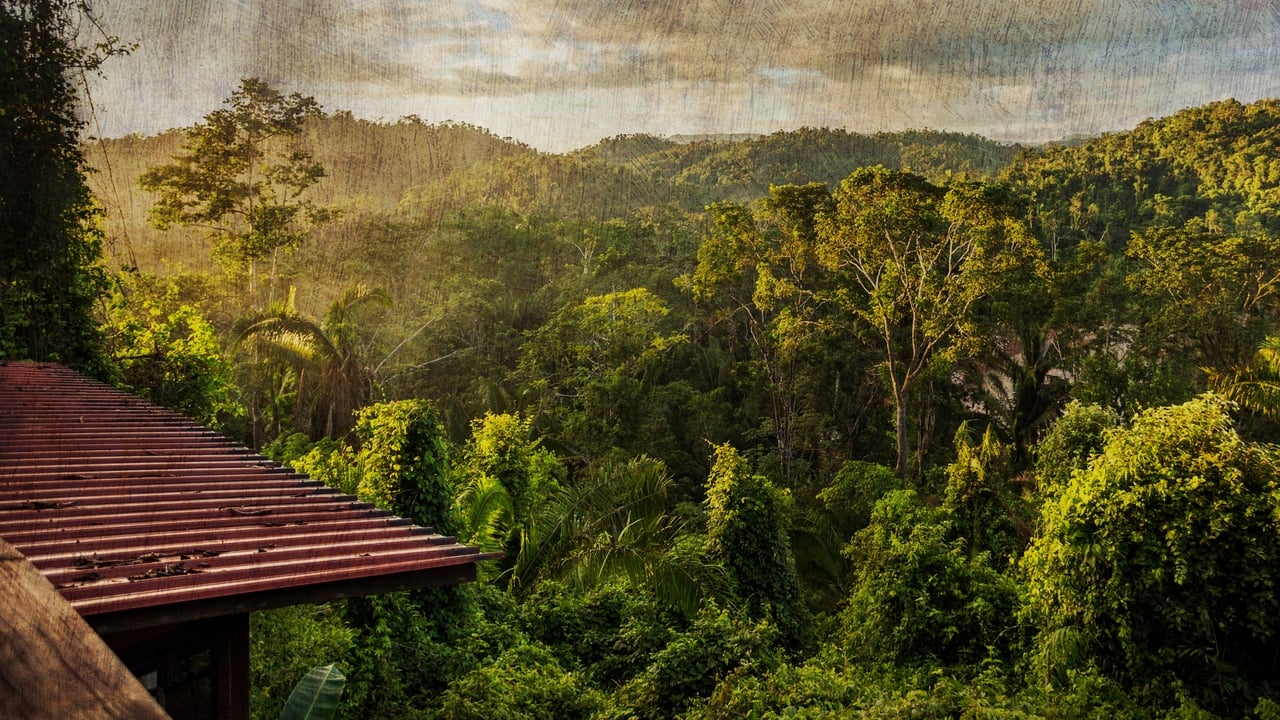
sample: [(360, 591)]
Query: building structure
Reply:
[(164, 535)]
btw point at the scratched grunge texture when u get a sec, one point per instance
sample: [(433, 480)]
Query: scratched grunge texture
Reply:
[(561, 74)]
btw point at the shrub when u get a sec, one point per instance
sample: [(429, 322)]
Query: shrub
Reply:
[(919, 596), (1158, 563)]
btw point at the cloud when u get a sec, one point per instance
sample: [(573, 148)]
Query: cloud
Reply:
[(978, 40), (1016, 69)]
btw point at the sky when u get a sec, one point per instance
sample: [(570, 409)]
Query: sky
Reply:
[(563, 74)]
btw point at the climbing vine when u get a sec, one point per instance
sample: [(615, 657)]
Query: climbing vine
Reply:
[(404, 457)]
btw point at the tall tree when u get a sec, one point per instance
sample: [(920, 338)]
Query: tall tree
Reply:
[(758, 270), (918, 262), (243, 175), (49, 248)]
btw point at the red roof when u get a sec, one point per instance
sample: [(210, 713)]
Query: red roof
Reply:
[(133, 511)]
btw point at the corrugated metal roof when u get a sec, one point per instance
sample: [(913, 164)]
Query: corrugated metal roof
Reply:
[(126, 506)]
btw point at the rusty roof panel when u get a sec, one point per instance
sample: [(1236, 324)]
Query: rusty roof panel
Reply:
[(125, 506)]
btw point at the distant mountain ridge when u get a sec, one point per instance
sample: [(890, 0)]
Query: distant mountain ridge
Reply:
[(713, 137), (1216, 166), (744, 169), (428, 172)]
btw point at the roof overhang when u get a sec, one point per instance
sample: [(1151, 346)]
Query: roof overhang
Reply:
[(141, 518)]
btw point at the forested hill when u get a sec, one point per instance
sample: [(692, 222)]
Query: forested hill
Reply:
[(1215, 167), (744, 169), (1212, 167), (427, 171), (812, 424), (369, 167)]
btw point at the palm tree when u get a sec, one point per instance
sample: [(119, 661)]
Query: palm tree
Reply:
[(1256, 385), (332, 376), (485, 513), (1016, 385), (615, 522)]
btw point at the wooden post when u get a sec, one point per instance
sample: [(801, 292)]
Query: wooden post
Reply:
[(231, 668), (52, 664)]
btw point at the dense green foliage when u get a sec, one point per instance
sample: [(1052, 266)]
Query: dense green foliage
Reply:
[(165, 350), (403, 460), (806, 425), (50, 247), (918, 596), (748, 522), (746, 169), (504, 479), (1159, 560), (323, 364)]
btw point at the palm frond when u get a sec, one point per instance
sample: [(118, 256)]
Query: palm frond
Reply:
[(1259, 395), (1256, 385), (333, 380), (485, 508), (300, 330), (344, 315), (618, 522)]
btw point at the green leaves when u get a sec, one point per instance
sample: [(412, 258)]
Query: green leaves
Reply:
[(316, 696), (762, 286), (50, 244), (917, 595), (522, 683), (504, 476), (616, 521), (242, 176), (719, 645), (1164, 553), (403, 458), (748, 523), (1256, 384), (596, 370), (1213, 293), (166, 351)]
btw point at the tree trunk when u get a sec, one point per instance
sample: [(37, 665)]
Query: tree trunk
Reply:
[(900, 429)]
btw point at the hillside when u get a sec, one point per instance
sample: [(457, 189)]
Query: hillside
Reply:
[(1214, 166), (713, 480), (427, 173), (370, 166), (744, 169)]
